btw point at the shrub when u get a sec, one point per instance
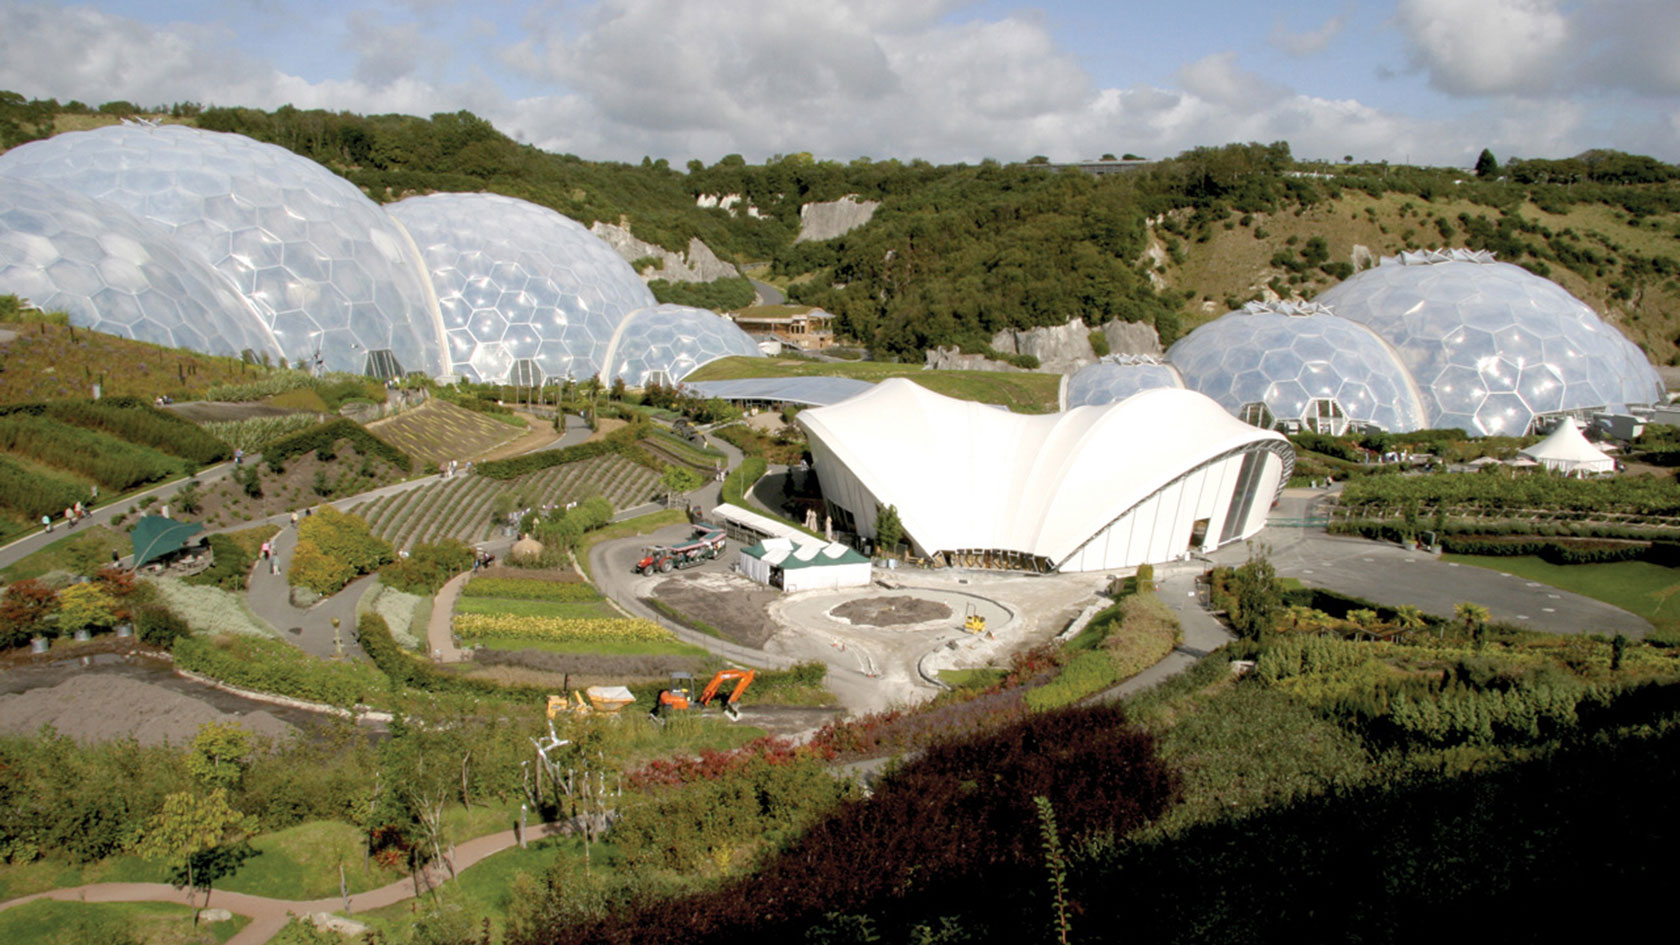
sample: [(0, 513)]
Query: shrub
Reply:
[(333, 549), (24, 611), (85, 607), (1086, 674), (229, 569), (113, 463), (209, 609), (558, 629), (157, 625), (326, 435), (268, 665), (136, 421), (428, 566), (403, 669), (34, 494)]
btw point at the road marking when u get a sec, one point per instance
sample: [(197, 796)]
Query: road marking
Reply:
[(1522, 616), (1549, 610), (1306, 570), (1555, 596), (1535, 584), (1452, 564)]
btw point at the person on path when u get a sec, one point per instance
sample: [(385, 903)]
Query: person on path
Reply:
[(294, 519), (95, 494), (46, 523), (69, 517), (238, 457), (265, 551)]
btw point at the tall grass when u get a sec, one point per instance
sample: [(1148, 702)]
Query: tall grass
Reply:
[(253, 434)]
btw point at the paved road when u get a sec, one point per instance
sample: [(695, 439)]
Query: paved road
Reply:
[(269, 916), (1390, 574), (767, 293)]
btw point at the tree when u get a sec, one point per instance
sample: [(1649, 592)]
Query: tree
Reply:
[(1408, 616), (1259, 597), (680, 479), (889, 529), (200, 836), (24, 610), (85, 607), (220, 753), (1487, 165), (1475, 618)]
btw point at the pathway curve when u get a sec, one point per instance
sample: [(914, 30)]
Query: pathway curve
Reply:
[(269, 916), (440, 631)]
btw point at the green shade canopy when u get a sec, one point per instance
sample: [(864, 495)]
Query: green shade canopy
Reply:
[(155, 536)]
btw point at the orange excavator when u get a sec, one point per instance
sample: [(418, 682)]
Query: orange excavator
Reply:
[(680, 695)]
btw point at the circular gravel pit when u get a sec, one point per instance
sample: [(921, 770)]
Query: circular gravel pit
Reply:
[(890, 611)]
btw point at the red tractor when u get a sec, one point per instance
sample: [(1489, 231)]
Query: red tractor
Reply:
[(706, 544)]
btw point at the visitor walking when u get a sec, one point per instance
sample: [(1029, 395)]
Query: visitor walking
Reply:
[(294, 519), (238, 457), (46, 523), (69, 517)]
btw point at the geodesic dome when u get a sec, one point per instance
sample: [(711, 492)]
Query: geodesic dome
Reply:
[(1271, 364), (669, 342), (519, 285), (114, 273), (1492, 345), (1116, 377), (327, 269)]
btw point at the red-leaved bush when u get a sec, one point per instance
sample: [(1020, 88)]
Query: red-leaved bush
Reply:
[(959, 814)]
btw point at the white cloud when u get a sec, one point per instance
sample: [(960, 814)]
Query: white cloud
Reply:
[(702, 78), (1312, 41), (1543, 47)]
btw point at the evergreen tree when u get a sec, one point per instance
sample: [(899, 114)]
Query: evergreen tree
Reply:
[(1487, 165)]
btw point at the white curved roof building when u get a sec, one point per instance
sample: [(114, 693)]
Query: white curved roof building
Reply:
[(1491, 345), (1148, 479), (115, 273), (525, 292), (669, 342), (330, 272)]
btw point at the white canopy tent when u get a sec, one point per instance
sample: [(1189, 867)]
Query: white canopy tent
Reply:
[(803, 564), (1566, 450), (1150, 478)]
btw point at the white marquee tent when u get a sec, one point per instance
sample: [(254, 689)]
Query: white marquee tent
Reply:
[(1150, 478), (1566, 450), (803, 564)]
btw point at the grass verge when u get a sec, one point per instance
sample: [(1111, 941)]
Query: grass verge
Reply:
[(1638, 587), (48, 922)]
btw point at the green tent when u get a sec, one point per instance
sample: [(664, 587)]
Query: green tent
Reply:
[(155, 536)]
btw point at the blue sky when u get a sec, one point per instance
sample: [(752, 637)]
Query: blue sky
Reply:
[(1430, 81)]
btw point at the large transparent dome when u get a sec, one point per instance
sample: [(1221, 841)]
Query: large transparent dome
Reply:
[(1117, 377), (328, 270), (523, 290), (669, 342), (115, 273), (1274, 363), (1492, 345)]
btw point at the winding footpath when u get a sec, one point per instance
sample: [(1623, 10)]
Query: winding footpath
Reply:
[(269, 916)]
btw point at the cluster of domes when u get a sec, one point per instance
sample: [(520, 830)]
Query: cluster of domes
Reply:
[(1425, 340), (223, 244)]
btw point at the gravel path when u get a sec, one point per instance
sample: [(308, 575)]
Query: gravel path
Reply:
[(104, 707)]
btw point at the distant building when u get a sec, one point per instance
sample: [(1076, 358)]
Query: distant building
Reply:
[(805, 330)]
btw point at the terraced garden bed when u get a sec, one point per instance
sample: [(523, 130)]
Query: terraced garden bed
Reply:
[(459, 507), (439, 431)]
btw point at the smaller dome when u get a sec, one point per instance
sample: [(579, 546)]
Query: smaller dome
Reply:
[(1117, 377), (526, 547), (669, 342), (1289, 363)]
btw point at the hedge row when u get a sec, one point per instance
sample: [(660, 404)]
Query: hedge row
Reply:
[(615, 442), (328, 434), (1086, 674), (1554, 552), (404, 670), (115, 464), (1396, 530), (131, 419), (272, 666), (34, 495), (527, 589)]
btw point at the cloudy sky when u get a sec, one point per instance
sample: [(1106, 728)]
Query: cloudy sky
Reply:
[(1426, 81)]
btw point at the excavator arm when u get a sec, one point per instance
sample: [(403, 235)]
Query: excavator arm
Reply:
[(742, 679)]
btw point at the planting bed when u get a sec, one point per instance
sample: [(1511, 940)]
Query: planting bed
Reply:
[(439, 431)]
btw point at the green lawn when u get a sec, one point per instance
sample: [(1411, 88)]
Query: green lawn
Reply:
[(484, 890), (74, 923), (672, 647), (581, 610), (302, 863), (23, 879), (971, 678), (1636, 586), (82, 547), (1020, 391)]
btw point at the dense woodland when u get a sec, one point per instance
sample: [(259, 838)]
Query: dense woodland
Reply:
[(958, 252)]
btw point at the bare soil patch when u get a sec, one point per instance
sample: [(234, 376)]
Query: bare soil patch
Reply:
[(733, 605), (540, 435), (100, 707), (890, 611)]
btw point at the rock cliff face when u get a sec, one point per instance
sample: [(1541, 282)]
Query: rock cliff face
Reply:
[(1060, 349), (699, 264), (825, 221)]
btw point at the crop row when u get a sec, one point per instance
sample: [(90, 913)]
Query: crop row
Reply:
[(1639, 495), (115, 464), (559, 629), (526, 589), (253, 433), (460, 507)]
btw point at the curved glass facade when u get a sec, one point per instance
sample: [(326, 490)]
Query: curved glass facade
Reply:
[(668, 342), (329, 271), (517, 282), (1273, 364), (117, 274), (1117, 377), (1492, 345)]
